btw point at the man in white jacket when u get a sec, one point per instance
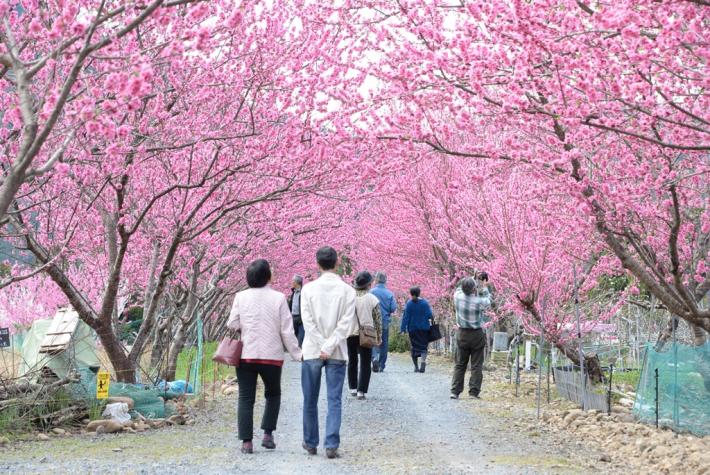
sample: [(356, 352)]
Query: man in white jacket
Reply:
[(328, 314)]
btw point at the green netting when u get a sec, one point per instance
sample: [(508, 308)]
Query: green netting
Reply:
[(149, 402), (683, 388)]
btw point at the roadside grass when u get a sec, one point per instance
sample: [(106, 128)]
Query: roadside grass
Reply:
[(29, 416), (210, 371), (630, 378)]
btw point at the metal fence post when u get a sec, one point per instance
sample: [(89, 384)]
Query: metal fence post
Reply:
[(611, 375), (657, 402)]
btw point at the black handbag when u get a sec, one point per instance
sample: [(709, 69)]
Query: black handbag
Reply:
[(434, 331)]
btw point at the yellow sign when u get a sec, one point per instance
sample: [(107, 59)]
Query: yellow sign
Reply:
[(103, 379)]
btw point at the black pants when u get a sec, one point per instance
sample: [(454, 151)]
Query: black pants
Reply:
[(364, 355), (246, 376), (472, 346)]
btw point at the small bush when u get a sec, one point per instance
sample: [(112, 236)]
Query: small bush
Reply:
[(398, 343)]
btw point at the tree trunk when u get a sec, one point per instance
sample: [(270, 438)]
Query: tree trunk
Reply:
[(592, 366), (159, 345), (176, 347), (667, 333), (702, 358), (149, 311), (124, 368)]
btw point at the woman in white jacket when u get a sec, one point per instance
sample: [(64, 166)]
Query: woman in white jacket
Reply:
[(367, 312), (262, 316)]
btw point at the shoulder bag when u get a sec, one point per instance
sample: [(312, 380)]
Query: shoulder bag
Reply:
[(434, 331), (229, 351), (367, 333)]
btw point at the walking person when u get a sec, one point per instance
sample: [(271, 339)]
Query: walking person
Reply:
[(261, 315), (367, 313), (294, 304), (388, 306), (416, 321), (328, 314), (471, 299)]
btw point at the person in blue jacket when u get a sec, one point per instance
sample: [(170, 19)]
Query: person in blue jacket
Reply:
[(416, 320), (388, 306)]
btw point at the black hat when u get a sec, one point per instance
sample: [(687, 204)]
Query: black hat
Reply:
[(362, 280)]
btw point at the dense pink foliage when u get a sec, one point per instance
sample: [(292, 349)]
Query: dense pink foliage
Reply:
[(426, 139)]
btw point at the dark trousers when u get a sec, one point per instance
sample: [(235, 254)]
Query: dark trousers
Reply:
[(358, 356), (471, 346), (247, 374), (300, 333)]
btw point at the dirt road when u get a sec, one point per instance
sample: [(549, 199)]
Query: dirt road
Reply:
[(407, 425)]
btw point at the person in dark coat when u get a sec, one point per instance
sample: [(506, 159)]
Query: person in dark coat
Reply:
[(417, 321), (294, 304)]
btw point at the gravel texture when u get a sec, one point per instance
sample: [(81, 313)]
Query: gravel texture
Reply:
[(407, 425)]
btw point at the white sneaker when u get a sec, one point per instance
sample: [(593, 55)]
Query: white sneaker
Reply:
[(360, 395), (353, 392)]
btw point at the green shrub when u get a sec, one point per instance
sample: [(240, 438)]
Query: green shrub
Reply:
[(398, 343)]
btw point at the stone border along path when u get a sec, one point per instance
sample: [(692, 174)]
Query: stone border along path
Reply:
[(407, 425)]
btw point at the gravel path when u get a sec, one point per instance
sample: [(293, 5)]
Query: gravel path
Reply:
[(407, 425)]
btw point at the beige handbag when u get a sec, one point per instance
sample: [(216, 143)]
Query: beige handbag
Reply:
[(368, 334)]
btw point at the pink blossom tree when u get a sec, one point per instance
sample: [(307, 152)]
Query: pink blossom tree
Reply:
[(609, 98), (54, 57)]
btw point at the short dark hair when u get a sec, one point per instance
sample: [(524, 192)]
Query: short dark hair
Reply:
[(415, 292), (327, 257), (258, 273), (483, 276), (468, 285)]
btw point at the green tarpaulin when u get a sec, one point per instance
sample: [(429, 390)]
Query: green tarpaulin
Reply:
[(79, 354)]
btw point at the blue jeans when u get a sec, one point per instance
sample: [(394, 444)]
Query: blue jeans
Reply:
[(379, 353), (310, 383)]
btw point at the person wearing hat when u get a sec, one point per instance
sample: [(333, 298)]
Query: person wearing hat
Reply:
[(367, 312)]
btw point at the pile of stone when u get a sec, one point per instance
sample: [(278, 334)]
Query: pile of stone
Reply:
[(229, 387), (183, 415), (614, 443), (629, 444)]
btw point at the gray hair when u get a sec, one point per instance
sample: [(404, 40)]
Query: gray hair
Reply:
[(380, 278), (468, 285), (298, 279)]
